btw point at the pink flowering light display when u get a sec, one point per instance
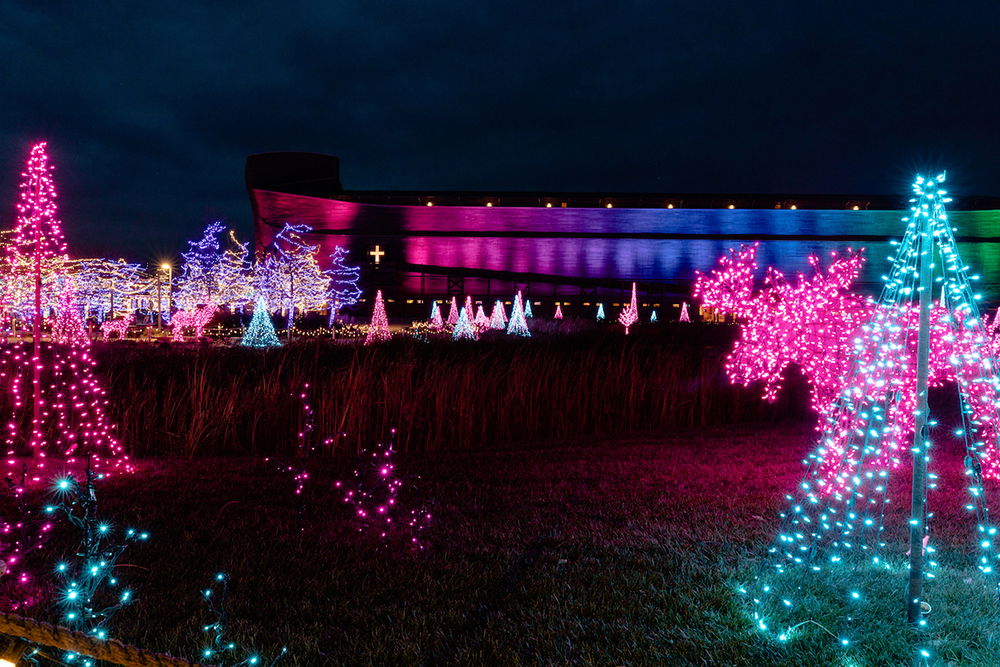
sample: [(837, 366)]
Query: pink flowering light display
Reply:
[(630, 313)]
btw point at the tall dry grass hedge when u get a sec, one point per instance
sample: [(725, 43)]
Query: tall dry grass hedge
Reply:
[(207, 400)]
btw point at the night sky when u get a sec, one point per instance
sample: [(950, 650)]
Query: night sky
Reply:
[(151, 108)]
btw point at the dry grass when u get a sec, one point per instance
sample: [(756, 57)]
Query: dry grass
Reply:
[(209, 400)]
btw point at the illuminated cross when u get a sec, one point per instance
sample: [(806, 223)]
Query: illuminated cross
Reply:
[(376, 253)]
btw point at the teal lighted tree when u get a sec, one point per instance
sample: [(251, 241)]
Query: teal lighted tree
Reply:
[(838, 553), (518, 326), (260, 332)]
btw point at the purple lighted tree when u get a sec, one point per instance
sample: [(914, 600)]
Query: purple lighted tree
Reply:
[(453, 312)]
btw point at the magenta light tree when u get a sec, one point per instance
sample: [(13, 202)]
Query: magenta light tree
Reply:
[(498, 320), (452, 312), (558, 315), (378, 330), (68, 327), (630, 314), (685, 316), (65, 415), (481, 322), (436, 321)]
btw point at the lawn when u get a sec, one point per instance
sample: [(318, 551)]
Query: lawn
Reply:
[(620, 551)]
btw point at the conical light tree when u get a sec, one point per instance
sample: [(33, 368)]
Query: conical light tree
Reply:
[(481, 322), (652, 317), (497, 318), (838, 549), (436, 321), (630, 314), (67, 325), (453, 312), (378, 330), (67, 417), (558, 315), (527, 307), (463, 328), (600, 312), (518, 326), (260, 332), (685, 316)]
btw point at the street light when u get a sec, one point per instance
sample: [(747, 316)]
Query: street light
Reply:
[(170, 292)]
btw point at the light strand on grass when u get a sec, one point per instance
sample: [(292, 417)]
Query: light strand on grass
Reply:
[(91, 592), (379, 504), (220, 648)]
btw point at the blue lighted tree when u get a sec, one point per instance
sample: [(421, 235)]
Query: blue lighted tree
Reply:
[(199, 279), (343, 291)]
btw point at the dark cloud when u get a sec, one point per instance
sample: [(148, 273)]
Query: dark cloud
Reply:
[(151, 108)]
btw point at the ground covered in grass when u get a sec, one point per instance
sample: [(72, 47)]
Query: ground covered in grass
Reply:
[(623, 551)]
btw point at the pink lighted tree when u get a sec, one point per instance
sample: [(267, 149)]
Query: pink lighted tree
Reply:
[(452, 313), (378, 330), (498, 320), (558, 314), (67, 325), (828, 331), (67, 404), (482, 322), (630, 314)]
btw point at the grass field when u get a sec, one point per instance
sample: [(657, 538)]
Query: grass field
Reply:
[(201, 400), (619, 551)]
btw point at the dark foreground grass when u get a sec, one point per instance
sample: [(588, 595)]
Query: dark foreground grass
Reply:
[(624, 551)]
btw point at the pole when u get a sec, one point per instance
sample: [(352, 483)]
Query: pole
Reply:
[(159, 303), (920, 432), (36, 356)]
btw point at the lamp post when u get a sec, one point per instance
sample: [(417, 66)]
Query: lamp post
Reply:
[(170, 291)]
